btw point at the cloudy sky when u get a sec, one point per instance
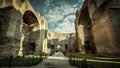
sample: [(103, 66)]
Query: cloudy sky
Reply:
[(60, 14)]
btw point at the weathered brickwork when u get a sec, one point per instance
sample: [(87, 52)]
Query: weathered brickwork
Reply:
[(103, 15), (21, 29)]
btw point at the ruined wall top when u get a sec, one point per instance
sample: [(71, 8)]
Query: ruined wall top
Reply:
[(23, 6), (20, 5), (60, 36), (43, 23)]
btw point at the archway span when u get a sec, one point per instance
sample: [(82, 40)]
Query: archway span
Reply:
[(88, 42), (29, 37), (89, 38), (22, 0), (29, 18)]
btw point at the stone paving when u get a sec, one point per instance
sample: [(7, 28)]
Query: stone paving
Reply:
[(58, 60)]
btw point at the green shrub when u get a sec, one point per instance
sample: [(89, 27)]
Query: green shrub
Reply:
[(77, 59), (22, 61)]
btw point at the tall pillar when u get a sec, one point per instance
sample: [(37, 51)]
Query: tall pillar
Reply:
[(10, 21)]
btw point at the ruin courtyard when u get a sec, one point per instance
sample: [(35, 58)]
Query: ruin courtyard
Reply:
[(27, 41)]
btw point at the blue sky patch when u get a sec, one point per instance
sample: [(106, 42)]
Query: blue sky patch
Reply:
[(60, 14)]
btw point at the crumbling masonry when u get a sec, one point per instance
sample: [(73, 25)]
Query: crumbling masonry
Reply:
[(97, 27), (22, 30)]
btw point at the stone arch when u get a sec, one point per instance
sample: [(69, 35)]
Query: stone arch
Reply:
[(22, 0), (42, 21), (32, 18), (84, 19), (89, 44), (28, 41), (29, 18)]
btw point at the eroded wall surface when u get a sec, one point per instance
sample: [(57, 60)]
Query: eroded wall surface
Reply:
[(10, 21), (21, 31), (104, 16), (64, 42)]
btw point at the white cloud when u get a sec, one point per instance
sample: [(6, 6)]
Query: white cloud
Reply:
[(67, 9), (54, 15), (75, 5), (81, 1), (67, 26), (47, 3), (57, 14)]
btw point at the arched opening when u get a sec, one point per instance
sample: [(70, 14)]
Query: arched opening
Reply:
[(52, 47), (22, 0), (28, 44), (30, 19), (66, 46), (89, 44)]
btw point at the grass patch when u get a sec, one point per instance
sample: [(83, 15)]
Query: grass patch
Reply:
[(89, 64), (94, 57), (78, 60), (22, 61)]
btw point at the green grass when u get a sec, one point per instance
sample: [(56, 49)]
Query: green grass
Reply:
[(20, 61), (90, 64), (78, 61), (95, 57)]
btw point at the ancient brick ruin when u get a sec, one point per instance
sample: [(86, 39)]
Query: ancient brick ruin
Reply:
[(22, 29), (97, 27)]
